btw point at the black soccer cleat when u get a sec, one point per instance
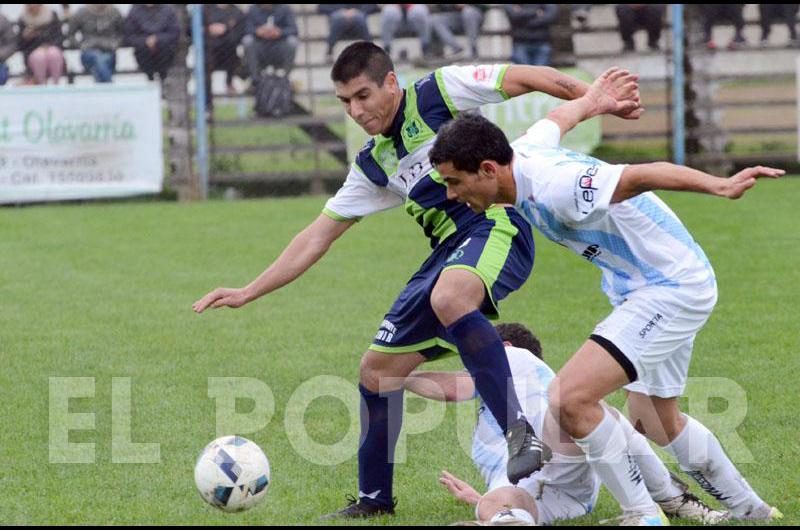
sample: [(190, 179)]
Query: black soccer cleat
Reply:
[(356, 509), (526, 452)]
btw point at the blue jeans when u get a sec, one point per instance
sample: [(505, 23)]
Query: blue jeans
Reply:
[(3, 74), (100, 63), (537, 54)]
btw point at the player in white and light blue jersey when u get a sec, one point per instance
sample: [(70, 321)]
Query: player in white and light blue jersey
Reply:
[(566, 487), (655, 274)]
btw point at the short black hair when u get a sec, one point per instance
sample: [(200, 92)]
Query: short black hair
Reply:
[(520, 337), (362, 57), (468, 140)]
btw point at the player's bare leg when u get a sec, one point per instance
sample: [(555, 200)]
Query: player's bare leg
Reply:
[(575, 395), (699, 454), (457, 299)]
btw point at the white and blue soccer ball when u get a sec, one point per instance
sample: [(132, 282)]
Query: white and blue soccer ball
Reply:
[(232, 474)]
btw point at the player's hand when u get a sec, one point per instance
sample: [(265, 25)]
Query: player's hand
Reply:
[(460, 489), (735, 186), (221, 297), (616, 92)]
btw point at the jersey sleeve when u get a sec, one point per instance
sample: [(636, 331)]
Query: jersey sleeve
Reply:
[(544, 133), (469, 87), (359, 197), (579, 190)]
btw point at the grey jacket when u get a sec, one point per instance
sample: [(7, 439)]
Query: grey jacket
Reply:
[(98, 28), (8, 39)]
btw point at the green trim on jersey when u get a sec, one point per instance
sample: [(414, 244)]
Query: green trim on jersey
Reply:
[(415, 131), (499, 85), (443, 90), (385, 155), (336, 217), (498, 245), (445, 226), (412, 348), (486, 282)]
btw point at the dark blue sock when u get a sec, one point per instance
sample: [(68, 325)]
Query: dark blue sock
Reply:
[(484, 355), (381, 419)]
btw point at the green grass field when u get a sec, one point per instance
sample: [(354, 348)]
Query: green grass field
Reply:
[(105, 291)]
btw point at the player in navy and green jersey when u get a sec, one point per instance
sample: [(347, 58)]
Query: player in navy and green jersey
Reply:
[(477, 259)]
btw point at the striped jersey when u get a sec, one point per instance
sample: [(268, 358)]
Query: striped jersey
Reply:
[(394, 170), (636, 243)]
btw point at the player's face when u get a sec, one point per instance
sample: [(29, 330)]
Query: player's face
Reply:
[(476, 190), (370, 105)]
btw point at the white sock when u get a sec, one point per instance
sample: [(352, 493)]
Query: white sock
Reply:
[(516, 513), (656, 475), (701, 456), (607, 453)]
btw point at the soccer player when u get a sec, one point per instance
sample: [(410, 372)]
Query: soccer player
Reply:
[(566, 487), (657, 277), (477, 258)]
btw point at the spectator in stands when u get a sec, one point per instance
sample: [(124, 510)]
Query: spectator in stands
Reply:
[(40, 40), (347, 20), (784, 13), (225, 26), (271, 39), (530, 32), (8, 45), (98, 30), (633, 17), (403, 18), (580, 14), (153, 31), (714, 14), (459, 18)]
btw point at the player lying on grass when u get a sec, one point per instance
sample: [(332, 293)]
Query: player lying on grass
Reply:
[(477, 259), (566, 487), (656, 276)]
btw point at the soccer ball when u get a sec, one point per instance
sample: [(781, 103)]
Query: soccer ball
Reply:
[(232, 474)]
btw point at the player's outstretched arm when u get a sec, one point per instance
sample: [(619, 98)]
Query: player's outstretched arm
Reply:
[(521, 79), (616, 91), (640, 178), (303, 251), (441, 386)]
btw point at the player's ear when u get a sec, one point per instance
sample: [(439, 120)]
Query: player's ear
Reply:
[(391, 82), (488, 168)]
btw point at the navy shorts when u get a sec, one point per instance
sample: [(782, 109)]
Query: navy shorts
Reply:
[(499, 249)]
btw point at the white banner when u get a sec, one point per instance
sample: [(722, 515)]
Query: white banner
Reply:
[(61, 143)]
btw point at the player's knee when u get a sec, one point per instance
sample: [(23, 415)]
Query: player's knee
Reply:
[(445, 304), (567, 404), (369, 374)]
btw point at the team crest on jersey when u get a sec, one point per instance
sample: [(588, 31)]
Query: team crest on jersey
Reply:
[(388, 158), (412, 129)]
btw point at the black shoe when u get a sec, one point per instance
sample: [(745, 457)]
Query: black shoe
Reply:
[(356, 509), (526, 453)]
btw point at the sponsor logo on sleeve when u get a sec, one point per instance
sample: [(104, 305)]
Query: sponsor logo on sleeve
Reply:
[(586, 190)]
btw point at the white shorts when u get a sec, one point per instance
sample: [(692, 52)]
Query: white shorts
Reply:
[(652, 334), (557, 502)]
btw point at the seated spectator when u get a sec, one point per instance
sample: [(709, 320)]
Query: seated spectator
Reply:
[(459, 18), (633, 17), (153, 31), (98, 30), (40, 41), (530, 32), (271, 39), (347, 20), (8, 45), (225, 25), (783, 13), (714, 14), (406, 17)]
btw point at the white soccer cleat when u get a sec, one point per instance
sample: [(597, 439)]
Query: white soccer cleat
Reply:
[(687, 506), (640, 519)]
